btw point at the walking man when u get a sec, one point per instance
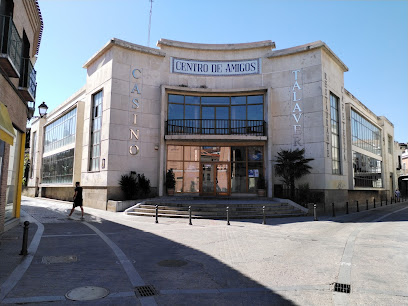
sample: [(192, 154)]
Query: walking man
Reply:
[(77, 200)]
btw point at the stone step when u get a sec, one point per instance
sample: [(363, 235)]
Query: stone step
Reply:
[(216, 210), (220, 207), (251, 216), (214, 205), (203, 210)]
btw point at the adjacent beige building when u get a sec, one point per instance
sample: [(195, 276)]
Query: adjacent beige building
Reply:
[(215, 114), (20, 33)]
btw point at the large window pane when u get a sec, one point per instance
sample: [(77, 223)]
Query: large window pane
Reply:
[(255, 99), (208, 113), (335, 131), (238, 154), (192, 153), (238, 112), (215, 100), (210, 154), (175, 111), (94, 161), (191, 176), (222, 122), (367, 135), (255, 154), (175, 152), (176, 99), (367, 171), (61, 132), (238, 100), (191, 112), (225, 154), (238, 177), (255, 112), (192, 100), (178, 174), (58, 168), (208, 124)]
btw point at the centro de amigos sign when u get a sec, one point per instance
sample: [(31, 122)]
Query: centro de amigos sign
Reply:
[(215, 68)]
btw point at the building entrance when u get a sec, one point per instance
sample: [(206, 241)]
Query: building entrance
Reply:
[(215, 179), (215, 170)]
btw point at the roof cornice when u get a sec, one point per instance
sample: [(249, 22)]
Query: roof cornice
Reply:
[(126, 45), (216, 47), (307, 47)]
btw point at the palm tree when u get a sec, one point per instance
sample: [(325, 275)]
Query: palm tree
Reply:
[(292, 165)]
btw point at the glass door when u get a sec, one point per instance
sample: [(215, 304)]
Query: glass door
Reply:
[(222, 179), (207, 179), (215, 179)]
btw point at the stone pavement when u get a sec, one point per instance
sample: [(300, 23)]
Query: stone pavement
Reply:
[(286, 262)]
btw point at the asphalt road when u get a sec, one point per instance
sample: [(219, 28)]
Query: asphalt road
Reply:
[(289, 261)]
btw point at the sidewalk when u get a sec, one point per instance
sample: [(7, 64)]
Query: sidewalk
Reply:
[(10, 248), (113, 257)]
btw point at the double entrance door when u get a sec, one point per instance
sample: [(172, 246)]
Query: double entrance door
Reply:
[(215, 178)]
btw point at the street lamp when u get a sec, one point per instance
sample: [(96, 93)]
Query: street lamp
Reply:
[(42, 109)]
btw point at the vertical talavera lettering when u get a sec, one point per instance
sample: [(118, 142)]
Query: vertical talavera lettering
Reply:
[(296, 110)]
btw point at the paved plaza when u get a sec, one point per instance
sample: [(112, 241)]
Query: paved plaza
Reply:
[(288, 261)]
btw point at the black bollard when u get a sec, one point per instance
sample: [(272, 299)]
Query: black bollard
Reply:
[(263, 212), (381, 202), (333, 213), (374, 202), (228, 223), (157, 213), (358, 210), (366, 204), (347, 211), (189, 215), (25, 239), (315, 212), (386, 201)]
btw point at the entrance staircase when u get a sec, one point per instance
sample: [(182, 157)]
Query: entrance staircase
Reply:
[(215, 208)]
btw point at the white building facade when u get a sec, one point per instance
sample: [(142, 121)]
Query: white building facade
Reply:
[(215, 114)]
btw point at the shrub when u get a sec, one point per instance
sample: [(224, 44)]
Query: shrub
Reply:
[(170, 179), (144, 185), (129, 186)]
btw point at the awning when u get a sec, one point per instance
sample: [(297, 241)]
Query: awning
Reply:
[(6, 127)]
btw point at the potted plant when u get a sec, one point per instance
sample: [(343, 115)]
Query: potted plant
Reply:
[(170, 182), (261, 185)]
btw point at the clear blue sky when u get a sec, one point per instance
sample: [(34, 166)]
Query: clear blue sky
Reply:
[(370, 37)]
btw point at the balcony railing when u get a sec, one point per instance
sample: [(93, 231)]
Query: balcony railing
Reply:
[(10, 46), (215, 127), (28, 80)]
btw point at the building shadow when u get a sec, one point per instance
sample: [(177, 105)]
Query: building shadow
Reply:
[(181, 275)]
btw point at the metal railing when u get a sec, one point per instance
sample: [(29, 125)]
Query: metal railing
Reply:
[(215, 127), (28, 79), (10, 41)]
